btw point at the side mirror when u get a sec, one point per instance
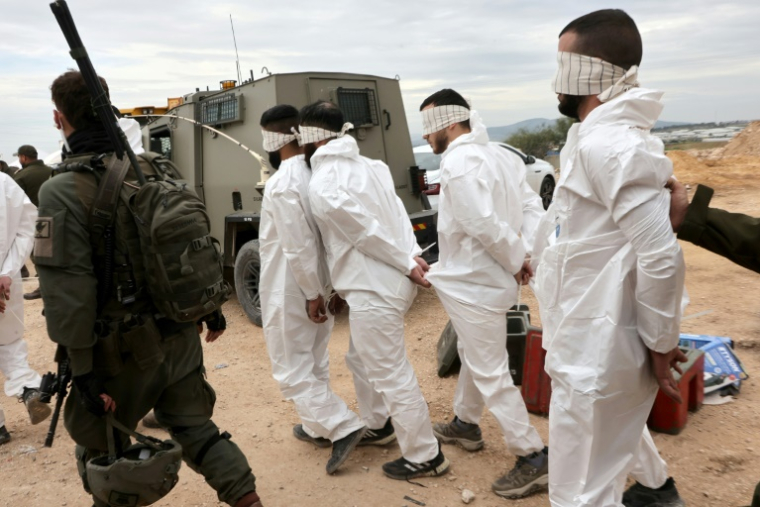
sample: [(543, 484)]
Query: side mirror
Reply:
[(530, 159)]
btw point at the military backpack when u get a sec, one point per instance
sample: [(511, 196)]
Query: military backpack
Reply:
[(182, 262)]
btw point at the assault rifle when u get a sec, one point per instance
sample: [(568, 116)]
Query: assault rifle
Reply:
[(56, 384), (101, 104)]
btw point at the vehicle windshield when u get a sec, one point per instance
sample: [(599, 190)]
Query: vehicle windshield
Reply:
[(429, 161)]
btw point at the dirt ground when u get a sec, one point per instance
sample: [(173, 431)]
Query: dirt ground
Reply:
[(715, 460)]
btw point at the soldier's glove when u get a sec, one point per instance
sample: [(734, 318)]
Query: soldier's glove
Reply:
[(90, 388), (215, 321)]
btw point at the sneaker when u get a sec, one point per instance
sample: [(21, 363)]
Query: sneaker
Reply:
[(383, 436), (458, 432), (342, 448), (402, 469), (524, 479), (300, 434), (38, 410), (5, 437), (639, 495), (35, 294)]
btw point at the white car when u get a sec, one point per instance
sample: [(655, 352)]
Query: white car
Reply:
[(539, 173)]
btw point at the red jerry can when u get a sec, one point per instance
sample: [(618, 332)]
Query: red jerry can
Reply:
[(536, 384), (667, 416)]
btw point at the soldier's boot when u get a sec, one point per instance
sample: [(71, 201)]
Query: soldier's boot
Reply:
[(35, 294), (219, 460), (249, 500)]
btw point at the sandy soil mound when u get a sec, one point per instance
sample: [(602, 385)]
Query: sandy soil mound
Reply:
[(746, 143), (721, 172)]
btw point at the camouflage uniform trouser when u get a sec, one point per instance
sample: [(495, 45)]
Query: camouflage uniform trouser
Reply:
[(183, 401)]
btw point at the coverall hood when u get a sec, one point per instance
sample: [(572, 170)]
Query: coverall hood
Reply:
[(345, 146), (477, 135), (638, 107)]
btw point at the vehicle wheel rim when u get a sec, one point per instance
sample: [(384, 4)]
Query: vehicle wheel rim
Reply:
[(547, 191), (252, 282)]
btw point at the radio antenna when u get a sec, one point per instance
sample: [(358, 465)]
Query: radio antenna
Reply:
[(237, 58)]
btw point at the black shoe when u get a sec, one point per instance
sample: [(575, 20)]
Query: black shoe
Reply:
[(403, 469), (641, 496), (38, 410), (35, 294), (5, 437), (300, 434), (342, 448), (383, 436)]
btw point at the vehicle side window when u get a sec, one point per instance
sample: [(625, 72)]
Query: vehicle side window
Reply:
[(161, 142)]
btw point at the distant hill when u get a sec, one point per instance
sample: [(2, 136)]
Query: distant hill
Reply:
[(502, 133)]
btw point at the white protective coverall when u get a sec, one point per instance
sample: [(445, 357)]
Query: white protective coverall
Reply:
[(487, 215), (370, 248), (293, 271), (17, 222), (610, 286)]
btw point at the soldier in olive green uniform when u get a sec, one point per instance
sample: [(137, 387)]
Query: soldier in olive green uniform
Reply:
[(102, 332), (732, 235), (30, 178), (33, 173)]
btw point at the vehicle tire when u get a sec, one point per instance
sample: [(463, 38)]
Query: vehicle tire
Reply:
[(547, 191), (247, 276)]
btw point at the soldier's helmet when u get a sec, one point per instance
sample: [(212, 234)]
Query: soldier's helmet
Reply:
[(143, 474)]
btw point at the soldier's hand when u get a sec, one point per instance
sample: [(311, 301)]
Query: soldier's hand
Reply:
[(316, 310), (216, 324), (661, 368), (679, 203), (108, 402), (5, 287), (93, 394)]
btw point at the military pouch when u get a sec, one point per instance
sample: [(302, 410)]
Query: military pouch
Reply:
[(107, 361), (143, 339)]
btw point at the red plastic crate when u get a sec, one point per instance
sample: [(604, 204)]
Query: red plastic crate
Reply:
[(536, 384), (667, 416)]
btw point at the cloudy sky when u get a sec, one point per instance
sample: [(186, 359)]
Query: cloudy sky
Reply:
[(703, 54)]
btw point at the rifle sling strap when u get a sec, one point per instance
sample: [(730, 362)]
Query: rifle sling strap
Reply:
[(104, 207)]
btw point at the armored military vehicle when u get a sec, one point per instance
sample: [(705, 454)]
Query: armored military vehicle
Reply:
[(196, 134)]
